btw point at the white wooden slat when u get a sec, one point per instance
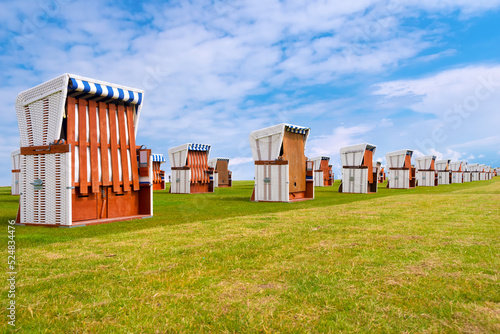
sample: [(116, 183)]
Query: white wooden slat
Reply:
[(276, 190), (318, 179)]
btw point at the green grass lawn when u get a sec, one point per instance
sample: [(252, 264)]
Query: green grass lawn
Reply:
[(425, 260)]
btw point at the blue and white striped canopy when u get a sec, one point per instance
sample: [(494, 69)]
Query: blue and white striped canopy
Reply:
[(223, 159), (296, 129), (83, 89), (198, 147), (158, 158)]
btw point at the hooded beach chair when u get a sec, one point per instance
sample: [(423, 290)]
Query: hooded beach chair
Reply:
[(359, 175), (282, 172), (80, 163)]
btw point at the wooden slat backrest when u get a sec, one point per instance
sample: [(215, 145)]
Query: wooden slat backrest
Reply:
[(82, 145), (194, 166), (189, 162), (99, 132), (198, 162), (103, 128), (204, 169), (132, 147), (94, 166), (114, 148), (123, 147), (157, 172)]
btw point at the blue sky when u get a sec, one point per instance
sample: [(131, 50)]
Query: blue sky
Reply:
[(423, 75)]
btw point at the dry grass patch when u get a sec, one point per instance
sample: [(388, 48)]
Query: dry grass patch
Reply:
[(421, 261)]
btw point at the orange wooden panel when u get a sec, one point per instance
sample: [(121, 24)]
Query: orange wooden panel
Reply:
[(102, 203), (293, 152), (199, 176), (104, 144), (199, 188), (123, 147), (133, 151), (407, 161), (154, 175), (49, 149), (199, 168), (326, 171), (203, 169), (84, 206), (154, 172), (114, 148), (94, 162), (196, 165), (70, 133), (82, 144), (270, 162), (145, 200), (205, 166), (126, 204), (194, 170), (157, 174), (223, 171), (143, 171), (368, 162)]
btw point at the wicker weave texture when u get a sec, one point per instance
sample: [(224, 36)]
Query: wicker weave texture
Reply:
[(426, 178), (40, 121), (14, 188), (42, 90), (180, 182), (51, 204), (271, 183), (318, 178), (39, 112), (15, 158), (216, 179)]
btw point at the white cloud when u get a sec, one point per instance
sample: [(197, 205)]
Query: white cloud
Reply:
[(386, 123), (330, 145), (431, 57), (453, 155), (457, 92), (209, 66), (448, 154), (467, 7), (479, 143), (418, 154), (341, 137), (240, 161), (463, 102)]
